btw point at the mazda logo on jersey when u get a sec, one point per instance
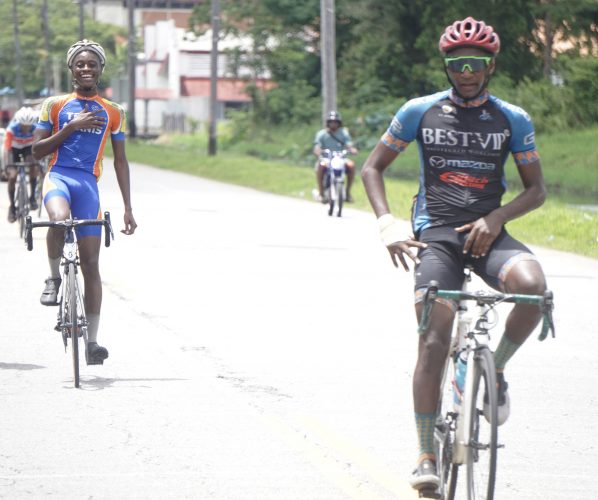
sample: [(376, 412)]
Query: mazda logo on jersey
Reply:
[(437, 162), (440, 162)]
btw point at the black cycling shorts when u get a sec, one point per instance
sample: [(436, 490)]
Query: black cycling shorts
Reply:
[(21, 154), (443, 260)]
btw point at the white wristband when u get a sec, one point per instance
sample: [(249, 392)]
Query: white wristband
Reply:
[(390, 232)]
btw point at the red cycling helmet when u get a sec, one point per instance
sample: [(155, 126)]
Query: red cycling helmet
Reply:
[(469, 33)]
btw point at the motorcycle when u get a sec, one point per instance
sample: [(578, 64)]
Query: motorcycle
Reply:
[(334, 179)]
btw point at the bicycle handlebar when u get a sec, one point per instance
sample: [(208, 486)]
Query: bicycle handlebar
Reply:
[(69, 223), (544, 302)]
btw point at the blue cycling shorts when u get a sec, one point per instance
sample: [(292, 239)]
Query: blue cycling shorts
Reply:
[(80, 189)]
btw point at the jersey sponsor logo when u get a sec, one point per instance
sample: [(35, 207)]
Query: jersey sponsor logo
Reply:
[(464, 180), (97, 131), (444, 137), (447, 109), (440, 162), (529, 139), (437, 162), (395, 126), (485, 116)]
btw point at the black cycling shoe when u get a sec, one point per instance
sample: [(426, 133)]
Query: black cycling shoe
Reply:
[(425, 477), (50, 294), (96, 354), (12, 214)]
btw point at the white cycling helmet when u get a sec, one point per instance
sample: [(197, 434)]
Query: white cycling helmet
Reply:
[(82, 45), (26, 116)]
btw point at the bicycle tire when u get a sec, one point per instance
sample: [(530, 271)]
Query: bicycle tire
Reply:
[(72, 320), (483, 444), (340, 194), (331, 198), (22, 207)]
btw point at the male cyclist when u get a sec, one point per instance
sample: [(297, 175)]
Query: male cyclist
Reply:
[(334, 137), (465, 135), (17, 147), (74, 128)]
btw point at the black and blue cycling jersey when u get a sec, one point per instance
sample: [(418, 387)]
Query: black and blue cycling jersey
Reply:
[(463, 148)]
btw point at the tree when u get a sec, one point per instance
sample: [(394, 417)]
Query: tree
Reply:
[(63, 26)]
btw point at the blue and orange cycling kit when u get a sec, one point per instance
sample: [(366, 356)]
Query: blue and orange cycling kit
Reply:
[(463, 148), (76, 166), (17, 140)]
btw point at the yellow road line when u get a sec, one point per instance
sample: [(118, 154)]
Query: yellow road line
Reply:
[(349, 468)]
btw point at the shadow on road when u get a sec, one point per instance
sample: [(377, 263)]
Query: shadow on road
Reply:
[(99, 383), (19, 366)]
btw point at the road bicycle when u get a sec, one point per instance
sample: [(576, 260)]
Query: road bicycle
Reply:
[(22, 205), (39, 186), (334, 180), (72, 320), (466, 432)]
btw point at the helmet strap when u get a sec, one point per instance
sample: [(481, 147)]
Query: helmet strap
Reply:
[(467, 99)]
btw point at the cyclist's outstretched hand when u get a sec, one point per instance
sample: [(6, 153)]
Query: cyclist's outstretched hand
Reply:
[(482, 234), (397, 244), (130, 224)]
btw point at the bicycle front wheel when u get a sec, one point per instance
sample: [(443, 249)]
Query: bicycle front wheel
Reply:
[(340, 194), (331, 197), (22, 207), (483, 432), (72, 320)]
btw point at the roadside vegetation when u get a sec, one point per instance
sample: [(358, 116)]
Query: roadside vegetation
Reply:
[(280, 162)]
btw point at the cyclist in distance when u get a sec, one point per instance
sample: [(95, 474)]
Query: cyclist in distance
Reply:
[(74, 128), (17, 147), (334, 137), (465, 135)]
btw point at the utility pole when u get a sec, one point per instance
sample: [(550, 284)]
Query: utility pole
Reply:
[(214, 77), (132, 63), (328, 56), (48, 61), (18, 65), (81, 21)]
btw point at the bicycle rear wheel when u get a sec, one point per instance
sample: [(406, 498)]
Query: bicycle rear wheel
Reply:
[(482, 449), (72, 319)]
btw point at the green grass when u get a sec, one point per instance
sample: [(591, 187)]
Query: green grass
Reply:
[(557, 224)]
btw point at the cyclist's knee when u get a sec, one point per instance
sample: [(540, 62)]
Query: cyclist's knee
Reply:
[(526, 277), (434, 347)]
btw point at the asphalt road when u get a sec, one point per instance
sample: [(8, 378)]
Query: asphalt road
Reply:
[(260, 349)]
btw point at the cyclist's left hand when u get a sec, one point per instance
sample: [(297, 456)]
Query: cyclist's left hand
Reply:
[(130, 224), (482, 234)]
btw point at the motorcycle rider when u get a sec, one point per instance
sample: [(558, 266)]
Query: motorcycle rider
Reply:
[(334, 137)]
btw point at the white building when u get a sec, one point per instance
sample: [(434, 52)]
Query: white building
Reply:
[(173, 77)]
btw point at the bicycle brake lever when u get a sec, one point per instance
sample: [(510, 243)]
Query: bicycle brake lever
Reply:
[(547, 321)]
